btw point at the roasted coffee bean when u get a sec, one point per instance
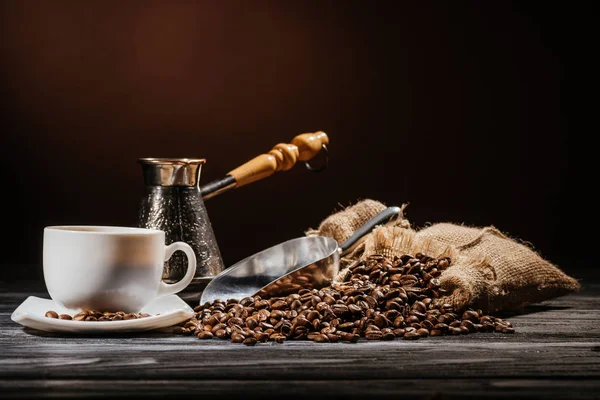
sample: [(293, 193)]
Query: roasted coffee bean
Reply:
[(423, 332), (387, 334), (279, 304), (346, 326), (379, 299), (251, 341), (237, 338), (427, 325), (455, 331), (399, 332), (80, 316), (353, 308), (321, 338), (51, 314), (351, 337), (373, 335), (381, 321), (470, 315), (65, 316), (204, 335), (413, 335), (312, 315), (339, 309), (469, 325), (419, 306), (328, 330)]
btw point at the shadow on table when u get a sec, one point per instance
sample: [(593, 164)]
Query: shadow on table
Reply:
[(103, 335), (531, 309)]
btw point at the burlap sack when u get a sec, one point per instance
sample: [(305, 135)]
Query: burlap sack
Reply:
[(489, 271), (343, 223), (495, 272)]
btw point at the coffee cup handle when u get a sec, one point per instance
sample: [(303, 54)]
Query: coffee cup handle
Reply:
[(172, 288)]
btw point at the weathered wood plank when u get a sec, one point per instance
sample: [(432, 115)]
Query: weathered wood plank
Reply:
[(555, 353), (405, 389)]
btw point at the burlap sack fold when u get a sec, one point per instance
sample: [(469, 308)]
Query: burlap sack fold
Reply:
[(489, 271), (342, 224), (501, 273)]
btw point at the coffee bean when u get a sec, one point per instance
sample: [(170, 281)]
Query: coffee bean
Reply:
[(221, 333), (237, 338), (379, 299), (423, 332), (204, 335), (251, 341), (65, 316), (387, 334), (51, 314), (427, 325), (470, 315), (419, 306), (321, 338), (469, 325), (413, 335), (399, 321), (399, 332), (80, 316), (381, 321), (373, 335), (455, 331), (351, 337)]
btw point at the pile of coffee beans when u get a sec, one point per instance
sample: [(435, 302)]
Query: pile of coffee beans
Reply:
[(92, 315), (380, 299)]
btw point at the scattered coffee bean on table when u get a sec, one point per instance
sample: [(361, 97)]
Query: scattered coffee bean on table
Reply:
[(91, 315), (380, 299)]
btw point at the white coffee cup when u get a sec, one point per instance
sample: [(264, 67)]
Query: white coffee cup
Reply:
[(109, 268)]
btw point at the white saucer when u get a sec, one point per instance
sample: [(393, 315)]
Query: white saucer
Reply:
[(164, 312)]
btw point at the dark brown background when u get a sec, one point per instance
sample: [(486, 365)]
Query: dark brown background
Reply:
[(457, 108)]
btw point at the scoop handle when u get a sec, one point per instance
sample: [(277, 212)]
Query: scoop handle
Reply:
[(282, 157), (383, 217)]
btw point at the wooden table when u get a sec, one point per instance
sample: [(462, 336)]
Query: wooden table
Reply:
[(555, 353)]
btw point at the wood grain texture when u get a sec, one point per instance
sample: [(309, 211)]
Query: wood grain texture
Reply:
[(555, 353)]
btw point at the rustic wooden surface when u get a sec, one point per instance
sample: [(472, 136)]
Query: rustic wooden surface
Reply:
[(555, 353)]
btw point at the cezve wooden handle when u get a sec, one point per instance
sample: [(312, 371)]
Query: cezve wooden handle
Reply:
[(282, 157)]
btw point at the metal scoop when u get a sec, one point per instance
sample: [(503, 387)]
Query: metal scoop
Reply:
[(302, 263)]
